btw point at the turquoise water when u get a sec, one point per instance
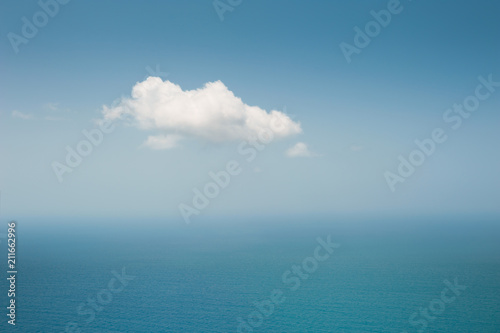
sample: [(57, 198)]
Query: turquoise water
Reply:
[(202, 278)]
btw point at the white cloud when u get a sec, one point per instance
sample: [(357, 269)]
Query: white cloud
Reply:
[(299, 150), (19, 114), (162, 141), (212, 113)]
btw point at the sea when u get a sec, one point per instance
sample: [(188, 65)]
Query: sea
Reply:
[(255, 274)]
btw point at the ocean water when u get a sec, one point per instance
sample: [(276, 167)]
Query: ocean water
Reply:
[(203, 278)]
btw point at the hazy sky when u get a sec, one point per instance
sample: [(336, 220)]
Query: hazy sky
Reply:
[(345, 123)]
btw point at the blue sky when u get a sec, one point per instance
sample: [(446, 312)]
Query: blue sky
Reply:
[(356, 118)]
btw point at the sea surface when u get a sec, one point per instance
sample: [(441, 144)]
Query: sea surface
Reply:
[(208, 276)]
